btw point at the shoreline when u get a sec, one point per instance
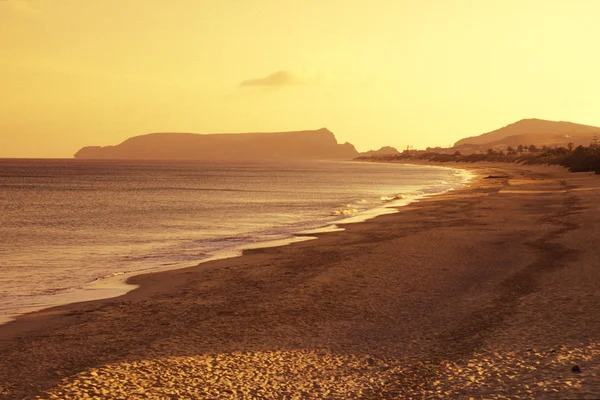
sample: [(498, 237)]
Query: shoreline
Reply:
[(116, 285), (413, 292)]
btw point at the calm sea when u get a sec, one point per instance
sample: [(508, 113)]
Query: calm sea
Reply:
[(72, 230)]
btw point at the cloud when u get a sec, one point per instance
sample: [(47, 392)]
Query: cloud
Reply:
[(277, 79)]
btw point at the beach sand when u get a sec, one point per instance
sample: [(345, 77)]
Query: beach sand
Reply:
[(485, 292)]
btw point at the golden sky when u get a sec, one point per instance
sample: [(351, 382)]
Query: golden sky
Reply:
[(379, 72)]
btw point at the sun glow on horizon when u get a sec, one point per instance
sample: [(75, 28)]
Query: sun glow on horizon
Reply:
[(391, 73)]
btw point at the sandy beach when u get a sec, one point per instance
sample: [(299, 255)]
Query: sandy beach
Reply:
[(485, 292)]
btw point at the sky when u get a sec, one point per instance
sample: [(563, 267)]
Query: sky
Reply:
[(381, 72)]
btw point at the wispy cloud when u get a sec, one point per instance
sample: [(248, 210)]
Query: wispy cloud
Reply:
[(277, 79)]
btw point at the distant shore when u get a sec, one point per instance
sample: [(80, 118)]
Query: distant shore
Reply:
[(481, 291)]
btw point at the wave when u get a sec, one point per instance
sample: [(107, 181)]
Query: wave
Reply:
[(345, 212), (402, 196), (106, 276)]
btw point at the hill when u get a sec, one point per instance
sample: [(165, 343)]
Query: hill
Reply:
[(312, 144), (384, 151), (533, 131)]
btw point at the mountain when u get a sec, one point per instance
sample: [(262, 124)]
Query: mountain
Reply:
[(384, 151), (315, 144), (534, 131)]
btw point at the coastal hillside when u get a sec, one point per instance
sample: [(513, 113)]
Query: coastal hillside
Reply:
[(384, 151), (533, 131), (311, 144)]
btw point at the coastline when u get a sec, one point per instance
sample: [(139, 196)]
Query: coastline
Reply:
[(412, 295), (110, 284)]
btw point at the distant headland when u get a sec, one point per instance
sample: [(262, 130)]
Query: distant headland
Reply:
[(310, 144), (528, 141), (530, 131)]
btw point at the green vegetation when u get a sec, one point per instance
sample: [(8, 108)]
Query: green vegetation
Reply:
[(576, 159)]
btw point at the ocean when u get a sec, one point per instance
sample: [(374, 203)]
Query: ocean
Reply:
[(73, 230)]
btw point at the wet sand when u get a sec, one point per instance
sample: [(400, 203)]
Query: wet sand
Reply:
[(486, 292)]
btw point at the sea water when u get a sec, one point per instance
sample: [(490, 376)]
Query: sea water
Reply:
[(69, 227)]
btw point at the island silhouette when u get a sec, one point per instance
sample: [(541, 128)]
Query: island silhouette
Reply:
[(309, 144)]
